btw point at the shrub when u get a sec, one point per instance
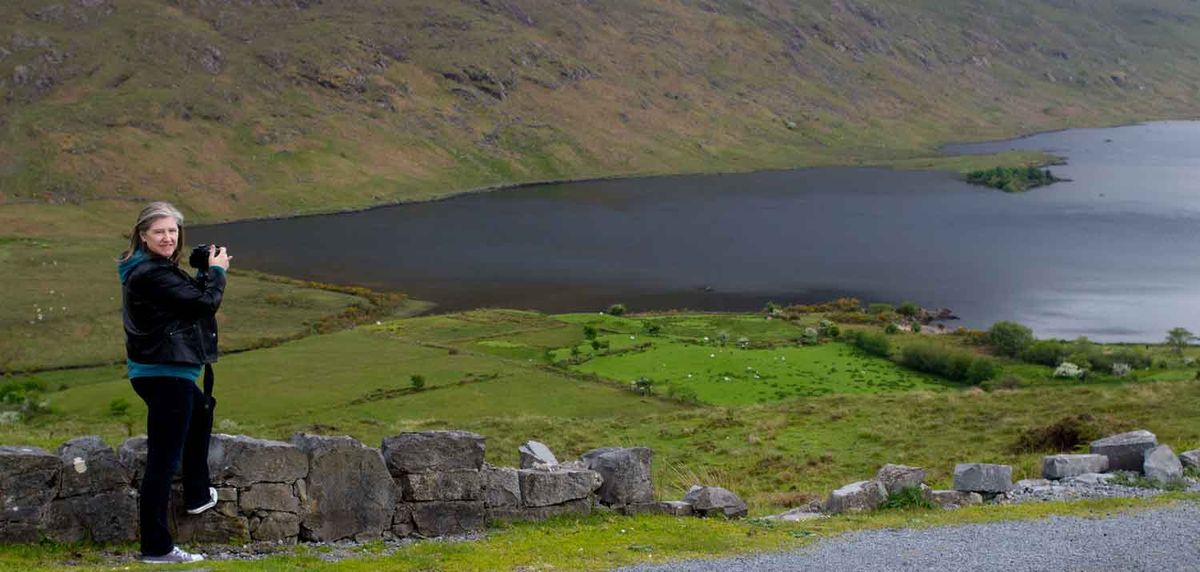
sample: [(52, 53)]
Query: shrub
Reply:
[(907, 498), (652, 329), (908, 309), (616, 310), (1009, 338), (950, 364), (1121, 369), (916, 328), (418, 382), (1067, 369), (118, 407), (828, 328), (1045, 352), (682, 393), (891, 328), (880, 309), (873, 343), (643, 386), (590, 332), (1136, 358), (811, 337)]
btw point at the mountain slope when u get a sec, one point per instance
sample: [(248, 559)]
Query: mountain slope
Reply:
[(251, 107)]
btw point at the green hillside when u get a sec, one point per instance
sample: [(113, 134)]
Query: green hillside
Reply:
[(237, 108)]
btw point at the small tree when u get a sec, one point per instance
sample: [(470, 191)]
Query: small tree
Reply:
[(589, 332), (1009, 338), (908, 309), (616, 310), (418, 382), (1178, 339)]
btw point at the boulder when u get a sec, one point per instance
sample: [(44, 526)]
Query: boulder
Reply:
[(240, 461), (348, 491), (280, 497), (675, 508), (1125, 451), (443, 518), (442, 486), (89, 467), (536, 455), (132, 454), (275, 526), (982, 478), (1058, 467), (1162, 465), (500, 487), (547, 488), (954, 499), (712, 501), (625, 473), (895, 478), (856, 497), (1190, 459), (433, 451), (29, 480), (101, 516)]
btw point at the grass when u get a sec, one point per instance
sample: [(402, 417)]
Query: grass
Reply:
[(597, 542)]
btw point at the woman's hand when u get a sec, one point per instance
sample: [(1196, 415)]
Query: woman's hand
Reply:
[(218, 257)]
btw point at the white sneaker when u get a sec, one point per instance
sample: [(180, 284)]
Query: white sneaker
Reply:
[(175, 556), (212, 501)]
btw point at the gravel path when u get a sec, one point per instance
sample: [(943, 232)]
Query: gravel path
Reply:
[(1161, 540)]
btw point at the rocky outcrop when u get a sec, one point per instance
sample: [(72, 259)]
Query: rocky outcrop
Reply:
[(1125, 451), (1161, 464), (982, 478), (1059, 467)]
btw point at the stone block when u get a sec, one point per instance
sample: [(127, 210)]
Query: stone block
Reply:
[(433, 451), (535, 455), (441, 486), (275, 526), (1161, 464), (102, 516), (445, 518), (500, 487), (240, 461), (132, 454), (856, 497), (982, 478), (626, 475), (547, 488), (675, 508), (1091, 478), (89, 467), (715, 501), (580, 507), (279, 497), (797, 515), (1190, 459), (215, 526), (895, 478), (29, 481), (1058, 467), (1125, 451), (348, 492), (954, 499)]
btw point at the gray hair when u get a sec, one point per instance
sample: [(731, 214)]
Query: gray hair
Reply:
[(153, 212)]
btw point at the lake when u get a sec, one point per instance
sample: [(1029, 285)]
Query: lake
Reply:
[(1113, 254)]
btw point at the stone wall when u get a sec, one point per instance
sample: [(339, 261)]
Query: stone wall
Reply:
[(311, 489)]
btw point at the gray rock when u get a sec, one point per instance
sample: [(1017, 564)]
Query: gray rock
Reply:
[(536, 455), (954, 499), (797, 515), (102, 516), (675, 508), (279, 497), (402, 522), (501, 487), (443, 518), (626, 474), (216, 526), (1125, 451), (29, 480), (856, 497), (1059, 467), (895, 478), (1031, 483), (132, 454), (442, 486), (348, 492), (1090, 478), (546, 488), (1190, 459), (89, 467), (580, 507), (240, 461), (275, 526), (713, 501), (433, 451), (982, 478), (1162, 465)]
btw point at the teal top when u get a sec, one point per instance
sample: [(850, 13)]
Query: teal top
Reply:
[(136, 369)]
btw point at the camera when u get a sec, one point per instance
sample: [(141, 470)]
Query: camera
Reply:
[(199, 257)]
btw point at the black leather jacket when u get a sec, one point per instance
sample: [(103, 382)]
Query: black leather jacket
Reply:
[(170, 317)]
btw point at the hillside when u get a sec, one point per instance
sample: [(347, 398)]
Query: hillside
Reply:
[(239, 108)]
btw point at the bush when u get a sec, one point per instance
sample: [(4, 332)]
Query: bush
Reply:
[(590, 332), (916, 328), (1069, 370), (873, 343), (950, 364), (418, 382), (1009, 338), (891, 328), (828, 329), (616, 310), (1045, 352), (908, 309), (682, 393), (907, 498)]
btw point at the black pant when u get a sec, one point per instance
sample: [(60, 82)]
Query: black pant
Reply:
[(178, 425)]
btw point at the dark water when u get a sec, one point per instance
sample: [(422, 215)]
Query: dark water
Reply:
[(1114, 254)]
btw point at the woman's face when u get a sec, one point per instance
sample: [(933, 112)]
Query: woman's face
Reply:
[(162, 236)]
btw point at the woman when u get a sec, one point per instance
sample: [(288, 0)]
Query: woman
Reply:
[(170, 335)]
